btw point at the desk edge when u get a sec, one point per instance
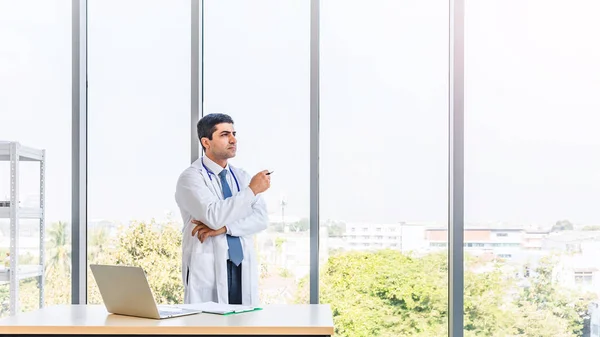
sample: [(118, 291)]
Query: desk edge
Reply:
[(161, 330)]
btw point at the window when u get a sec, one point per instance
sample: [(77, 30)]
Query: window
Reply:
[(530, 127), (384, 104), (257, 69), (584, 277), (35, 111), (138, 137), (384, 159)]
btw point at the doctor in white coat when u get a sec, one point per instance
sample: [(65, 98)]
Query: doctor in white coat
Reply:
[(222, 209)]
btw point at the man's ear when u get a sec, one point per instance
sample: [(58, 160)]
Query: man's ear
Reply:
[(204, 142)]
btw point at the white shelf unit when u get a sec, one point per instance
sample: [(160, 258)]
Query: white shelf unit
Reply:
[(15, 153)]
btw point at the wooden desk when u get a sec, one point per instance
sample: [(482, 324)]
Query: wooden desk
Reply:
[(276, 320)]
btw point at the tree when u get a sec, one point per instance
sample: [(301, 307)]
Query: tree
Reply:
[(386, 293), (562, 225), (301, 225), (529, 321), (98, 241), (59, 249), (157, 249), (543, 304), (336, 228), (279, 244)]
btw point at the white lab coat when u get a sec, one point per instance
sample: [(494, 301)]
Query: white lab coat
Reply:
[(244, 214)]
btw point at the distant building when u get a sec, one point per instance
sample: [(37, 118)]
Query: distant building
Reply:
[(578, 266), (373, 236), (501, 242), (571, 241), (534, 239)]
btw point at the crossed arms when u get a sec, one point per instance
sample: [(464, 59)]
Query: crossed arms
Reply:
[(240, 215)]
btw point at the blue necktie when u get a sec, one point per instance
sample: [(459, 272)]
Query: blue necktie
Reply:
[(236, 255)]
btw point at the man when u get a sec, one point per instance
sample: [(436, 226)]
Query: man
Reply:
[(222, 210)]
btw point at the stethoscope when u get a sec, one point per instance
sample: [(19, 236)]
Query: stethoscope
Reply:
[(211, 172)]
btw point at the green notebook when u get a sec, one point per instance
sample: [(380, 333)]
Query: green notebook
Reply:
[(236, 311)]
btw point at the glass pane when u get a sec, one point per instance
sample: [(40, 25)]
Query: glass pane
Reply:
[(256, 63), (384, 166), (138, 138), (532, 186), (35, 111)]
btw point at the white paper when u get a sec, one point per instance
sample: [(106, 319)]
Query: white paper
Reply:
[(216, 308)]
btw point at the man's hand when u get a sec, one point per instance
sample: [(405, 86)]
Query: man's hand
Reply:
[(260, 182), (202, 231)]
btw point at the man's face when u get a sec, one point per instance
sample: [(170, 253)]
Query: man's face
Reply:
[(223, 144)]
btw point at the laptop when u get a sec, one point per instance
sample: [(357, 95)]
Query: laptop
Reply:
[(125, 291)]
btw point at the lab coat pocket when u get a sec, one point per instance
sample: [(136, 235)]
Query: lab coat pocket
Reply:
[(202, 270)]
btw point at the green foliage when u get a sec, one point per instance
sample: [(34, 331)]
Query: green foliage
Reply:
[(562, 225), (371, 295), (285, 273), (59, 248), (335, 228), (383, 293), (300, 226), (386, 293), (57, 273), (157, 249), (279, 243), (543, 305)]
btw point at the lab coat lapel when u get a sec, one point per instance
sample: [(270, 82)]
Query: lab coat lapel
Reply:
[(208, 178)]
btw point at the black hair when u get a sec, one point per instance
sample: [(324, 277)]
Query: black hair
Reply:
[(207, 125)]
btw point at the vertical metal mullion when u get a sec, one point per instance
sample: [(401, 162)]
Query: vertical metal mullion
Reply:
[(42, 277), (79, 154), (456, 170), (196, 106), (314, 151), (14, 228)]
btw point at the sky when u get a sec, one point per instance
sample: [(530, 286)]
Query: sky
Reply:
[(531, 105)]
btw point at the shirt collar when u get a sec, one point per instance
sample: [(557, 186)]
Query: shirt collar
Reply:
[(214, 167)]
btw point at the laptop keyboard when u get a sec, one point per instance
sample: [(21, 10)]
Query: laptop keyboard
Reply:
[(174, 311), (170, 311)]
